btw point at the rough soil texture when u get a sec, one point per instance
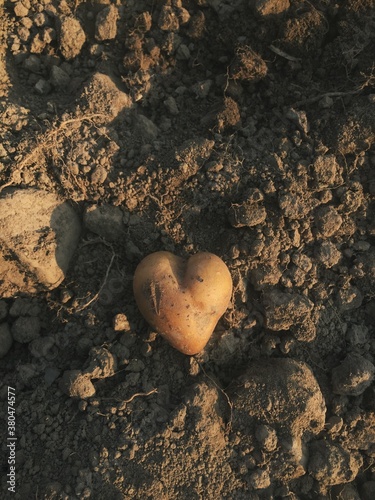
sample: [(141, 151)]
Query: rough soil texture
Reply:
[(242, 128)]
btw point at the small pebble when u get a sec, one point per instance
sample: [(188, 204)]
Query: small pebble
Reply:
[(25, 329)]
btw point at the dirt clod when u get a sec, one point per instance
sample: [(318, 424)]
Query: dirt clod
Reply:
[(71, 38), (242, 128), (75, 384), (353, 375), (332, 464), (105, 26)]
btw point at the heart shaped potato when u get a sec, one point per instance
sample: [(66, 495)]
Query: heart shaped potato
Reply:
[(183, 299)]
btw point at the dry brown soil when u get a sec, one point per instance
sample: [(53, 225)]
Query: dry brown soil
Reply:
[(240, 127)]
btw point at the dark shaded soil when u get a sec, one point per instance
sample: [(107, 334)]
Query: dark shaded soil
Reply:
[(241, 128)]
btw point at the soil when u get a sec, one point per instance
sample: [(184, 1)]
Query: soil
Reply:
[(242, 128)]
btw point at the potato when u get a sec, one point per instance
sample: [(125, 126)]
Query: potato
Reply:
[(183, 299)]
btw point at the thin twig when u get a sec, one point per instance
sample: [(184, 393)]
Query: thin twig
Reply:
[(283, 54), (230, 404), (136, 395), (96, 296)]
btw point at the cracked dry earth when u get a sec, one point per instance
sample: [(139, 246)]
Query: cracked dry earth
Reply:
[(244, 128)]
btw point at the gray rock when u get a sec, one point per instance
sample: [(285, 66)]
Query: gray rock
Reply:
[(59, 78), (183, 53), (145, 128), (42, 87), (202, 89), (357, 335), (6, 339), (72, 37), (106, 23), (25, 329), (353, 376), (171, 105), (39, 234), (106, 221), (32, 63), (51, 374)]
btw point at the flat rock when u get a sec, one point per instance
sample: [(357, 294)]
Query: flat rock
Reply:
[(59, 78), (247, 214), (284, 310), (106, 221), (39, 233)]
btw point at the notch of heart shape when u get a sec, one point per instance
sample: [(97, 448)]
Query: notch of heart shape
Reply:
[(183, 299)]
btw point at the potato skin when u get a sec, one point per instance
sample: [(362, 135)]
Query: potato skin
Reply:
[(183, 299)]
